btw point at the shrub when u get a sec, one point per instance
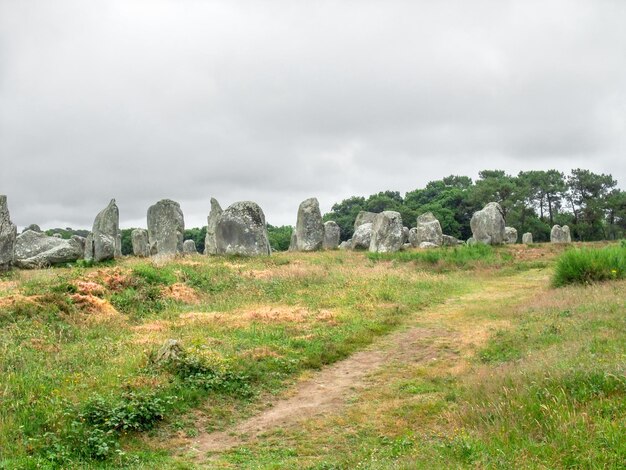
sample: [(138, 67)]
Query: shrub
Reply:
[(586, 265), (459, 256)]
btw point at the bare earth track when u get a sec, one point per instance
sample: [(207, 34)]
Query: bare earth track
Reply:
[(446, 331)]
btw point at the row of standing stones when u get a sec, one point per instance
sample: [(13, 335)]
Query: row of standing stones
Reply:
[(241, 230)]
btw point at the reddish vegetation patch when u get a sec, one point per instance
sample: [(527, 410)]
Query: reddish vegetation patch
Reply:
[(89, 288), (181, 293), (11, 300), (99, 308), (113, 279)]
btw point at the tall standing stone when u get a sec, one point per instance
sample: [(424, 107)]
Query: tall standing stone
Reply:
[(8, 235), (210, 246), (362, 236), (560, 234), (510, 235), (166, 228), (309, 226), (488, 225), (387, 233), (189, 247), (241, 230), (429, 230), (104, 241), (141, 245), (332, 235), (527, 238)]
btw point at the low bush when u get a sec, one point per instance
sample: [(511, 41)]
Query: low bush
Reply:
[(459, 256), (587, 265)]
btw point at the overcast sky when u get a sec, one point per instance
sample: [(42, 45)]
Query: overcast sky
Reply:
[(278, 101)]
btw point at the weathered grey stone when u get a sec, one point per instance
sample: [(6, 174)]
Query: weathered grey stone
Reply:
[(141, 245), (488, 225), (362, 236), (429, 229), (118, 245), (510, 235), (241, 230), (293, 241), (560, 234), (38, 250), (189, 247), (103, 243), (364, 217), (470, 241), (332, 235), (81, 243), (527, 238), (407, 246), (57, 235), (405, 234), (210, 246), (346, 245), (413, 237), (8, 235), (428, 245), (33, 227), (309, 226), (448, 240), (387, 234), (166, 228), (88, 252)]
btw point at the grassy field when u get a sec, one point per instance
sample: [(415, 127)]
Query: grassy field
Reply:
[(508, 371)]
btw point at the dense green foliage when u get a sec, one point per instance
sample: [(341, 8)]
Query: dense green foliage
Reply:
[(280, 237), (67, 233), (586, 265), (532, 201)]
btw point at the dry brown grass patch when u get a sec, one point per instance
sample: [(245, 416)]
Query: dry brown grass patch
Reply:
[(181, 293)]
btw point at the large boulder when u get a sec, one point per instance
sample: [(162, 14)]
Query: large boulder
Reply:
[(429, 229), (38, 250), (104, 241), (560, 234), (189, 247), (510, 235), (448, 240), (332, 235), (364, 217), (8, 235), (488, 225), (141, 245), (309, 226), (210, 246), (166, 228), (241, 230), (362, 236), (527, 238), (387, 233)]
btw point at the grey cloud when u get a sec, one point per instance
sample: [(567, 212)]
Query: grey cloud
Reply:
[(280, 101)]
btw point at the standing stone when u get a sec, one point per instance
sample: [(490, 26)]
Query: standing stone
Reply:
[(387, 233), (81, 242), (527, 238), (429, 229), (241, 230), (141, 245), (309, 226), (293, 241), (405, 234), (210, 246), (560, 234), (345, 245), (488, 225), (102, 242), (166, 228), (38, 250), (364, 217), (332, 235), (189, 247), (362, 236), (413, 237), (510, 235), (8, 235)]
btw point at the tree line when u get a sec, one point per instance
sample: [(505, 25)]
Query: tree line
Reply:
[(532, 201)]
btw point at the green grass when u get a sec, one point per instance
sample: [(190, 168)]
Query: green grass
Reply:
[(465, 256), (587, 265), (79, 389)]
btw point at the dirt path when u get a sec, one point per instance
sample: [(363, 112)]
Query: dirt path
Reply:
[(427, 337)]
